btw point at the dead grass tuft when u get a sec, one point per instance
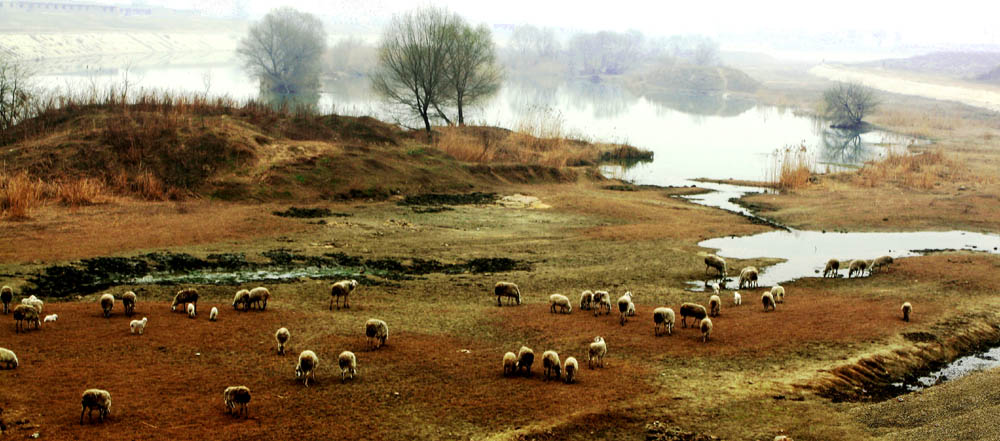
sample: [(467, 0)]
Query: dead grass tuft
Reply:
[(80, 192), (790, 168), (19, 194), (495, 145), (913, 171)]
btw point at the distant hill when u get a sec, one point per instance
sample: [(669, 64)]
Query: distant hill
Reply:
[(992, 76), (959, 65)]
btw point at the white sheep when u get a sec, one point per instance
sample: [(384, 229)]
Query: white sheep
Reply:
[(259, 296), (748, 277), (713, 261), (782, 438), (6, 295), (706, 329), (237, 395), (778, 292), (598, 349), (831, 268), (128, 302), (348, 365), (907, 309), (95, 399), (714, 306), (8, 358), (377, 332), (242, 297), (51, 318), (624, 305), (138, 326), (525, 358), (737, 298), (213, 314), (191, 310), (586, 300), (508, 290), (34, 302), (663, 318), (107, 303), (306, 369), (714, 286), (509, 363), (282, 336), (340, 290), (767, 300), (570, 367), (561, 301), (551, 365), (602, 300), (857, 266)]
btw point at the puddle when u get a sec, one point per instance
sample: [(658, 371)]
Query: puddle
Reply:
[(954, 370)]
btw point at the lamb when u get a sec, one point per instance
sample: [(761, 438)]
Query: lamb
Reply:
[(663, 318), (857, 266), (33, 301), (213, 314), (342, 289), (551, 365), (234, 395), (714, 286), (348, 365), (6, 295), (242, 297), (586, 300), (624, 305), (509, 364), (907, 309), (138, 326), (692, 310), (259, 297), (598, 349), (880, 262), (737, 298), (188, 295), (107, 303), (748, 277), (306, 369), (602, 300), (562, 302), (51, 318), (508, 290), (706, 329), (832, 266), (778, 292), (570, 367), (191, 311), (768, 300), (713, 261), (8, 358), (25, 313), (377, 332), (714, 306), (128, 302), (95, 399), (282, 337), (525, 358)]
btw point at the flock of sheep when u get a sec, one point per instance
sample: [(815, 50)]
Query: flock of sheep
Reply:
[(377, 331)]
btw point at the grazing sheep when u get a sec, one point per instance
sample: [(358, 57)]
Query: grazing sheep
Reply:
[(234, 395), (602, 300), (342, 289), (663, 318), (768, 300), (282, 337), (306, 369), (25, 313), (713, 261), (714, 306), (880, 262), (857, 266), (107, 304), (598, 349), (128, 302), (213, 314), (508, 290), (525, 358), (34, 302), (782, 438), (714, 286), (51, 318), (95, 399), (706, 329), (138, 326), (778, 292), (187, 295), (907, 309), (509, 363), (551, 365), (259, 297), (570, 367), (6, 295), (624, 305), (737, 298), (8, 358), (562, 302), (630, 312), (748, 277), (832, 266), (586, 300), (348, 365), (191, 311), (242, 297), (377, 331), (692, 310)]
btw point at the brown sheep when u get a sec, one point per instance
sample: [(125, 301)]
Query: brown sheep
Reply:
[(706, 329), (714, 306), (25, 313), (857, 266), (237, 395), (767, 300), (6, 295), (713, 261), (508, 290), (128, 302), (259, 297), (342, 289), (107, 304), (832, 266), (187, 295), (692, 310), (880, 262), (95, 399), (907, 309)]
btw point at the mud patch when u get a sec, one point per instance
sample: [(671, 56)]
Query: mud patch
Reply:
[(657, 431), (439, 199), (309, 213)]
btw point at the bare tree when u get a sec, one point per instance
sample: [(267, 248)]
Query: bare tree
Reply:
[(607, 53), (15, 93), (530, 44), (283, 51), (472, 72), (848, 103)]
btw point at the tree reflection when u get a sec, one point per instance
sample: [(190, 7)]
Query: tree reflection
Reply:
[(843, 146)]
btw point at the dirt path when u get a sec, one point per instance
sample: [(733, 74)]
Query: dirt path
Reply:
[(984, 97)]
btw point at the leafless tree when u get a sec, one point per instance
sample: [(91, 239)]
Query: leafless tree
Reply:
[(15, 92), (531, 44), (848, 103), (283, 51), (472, 72), (605, 53)]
